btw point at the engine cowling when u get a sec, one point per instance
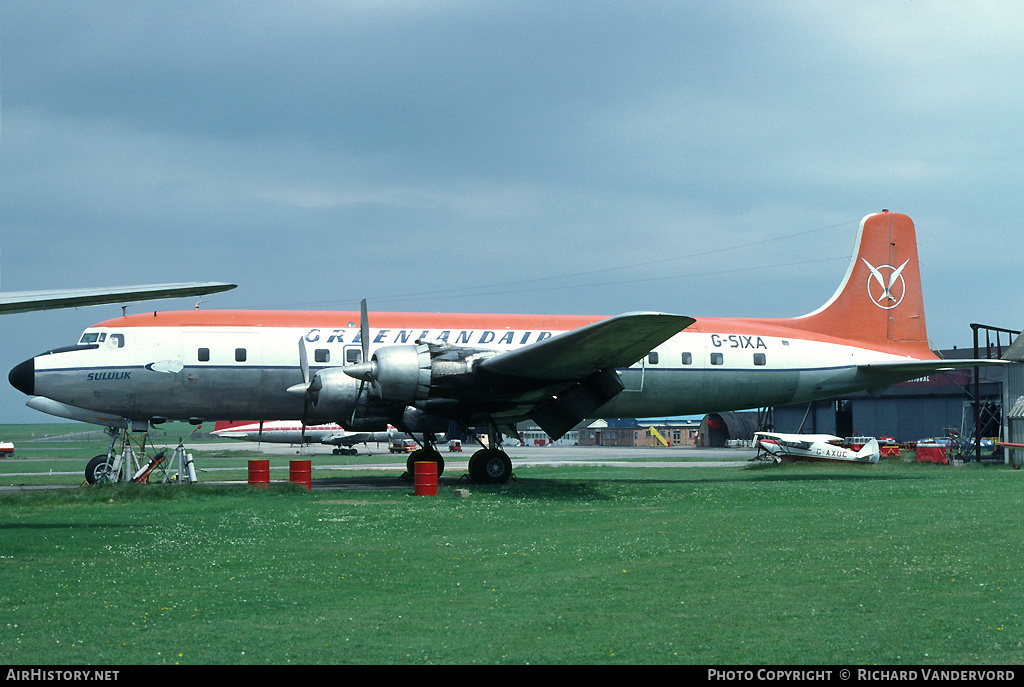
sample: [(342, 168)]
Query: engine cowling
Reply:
[(403, 372), (334, 394), (337, 397), (398, 373)]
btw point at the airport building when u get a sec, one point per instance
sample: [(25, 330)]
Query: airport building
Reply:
[(927, 407), (639, 433)]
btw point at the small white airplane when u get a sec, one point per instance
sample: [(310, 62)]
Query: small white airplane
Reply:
[(295, 432), (28, 301), (422, 371), (794, 447)]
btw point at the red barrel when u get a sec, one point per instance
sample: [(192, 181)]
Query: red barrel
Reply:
[(259, 473), (300, 472), (425, 478)]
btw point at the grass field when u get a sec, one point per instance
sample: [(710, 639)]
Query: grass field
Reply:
[(896, 563)]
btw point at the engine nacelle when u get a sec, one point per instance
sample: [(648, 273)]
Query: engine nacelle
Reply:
[(402, 372), (338, 397), (421, 422), (335, 394)]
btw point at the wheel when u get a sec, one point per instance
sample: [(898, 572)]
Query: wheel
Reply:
[(424, 454), (490, 466), (100, 470)]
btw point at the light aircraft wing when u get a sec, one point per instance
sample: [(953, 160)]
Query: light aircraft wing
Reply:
[(26, 301), (613, 343), (347, 438)]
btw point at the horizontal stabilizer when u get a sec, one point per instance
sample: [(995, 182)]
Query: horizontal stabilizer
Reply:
[(894, 372)]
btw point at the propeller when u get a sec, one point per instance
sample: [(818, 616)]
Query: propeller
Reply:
[(307, 391), (364, 370)]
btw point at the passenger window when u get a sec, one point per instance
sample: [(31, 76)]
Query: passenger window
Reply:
[(353, 355), (239, 355), (687, 359), (759, 359), (204, 355), (322, 355), (652, 358), (717, 359)]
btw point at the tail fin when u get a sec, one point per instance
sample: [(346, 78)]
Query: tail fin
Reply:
[(228, 424), (879, 303), (870, 452)]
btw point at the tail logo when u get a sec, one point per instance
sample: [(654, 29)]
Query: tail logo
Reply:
[(886, 287)]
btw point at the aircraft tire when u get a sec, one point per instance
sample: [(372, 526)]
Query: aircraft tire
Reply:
[(424, 454), (98, 469), (490, 466)]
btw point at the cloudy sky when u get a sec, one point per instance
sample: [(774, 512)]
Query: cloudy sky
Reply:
[(541, 157)]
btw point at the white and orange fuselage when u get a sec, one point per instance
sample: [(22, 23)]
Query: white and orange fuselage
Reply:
[(232, 365)]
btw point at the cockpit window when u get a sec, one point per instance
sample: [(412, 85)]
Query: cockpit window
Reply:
[(90, 337), (117, 340)]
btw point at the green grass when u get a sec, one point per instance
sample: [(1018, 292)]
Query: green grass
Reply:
[(806, 564)]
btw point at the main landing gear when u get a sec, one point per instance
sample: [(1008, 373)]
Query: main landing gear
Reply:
[(490, 466), (426, 454), (486, 466)]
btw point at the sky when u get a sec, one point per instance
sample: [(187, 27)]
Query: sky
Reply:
[(588, 157)]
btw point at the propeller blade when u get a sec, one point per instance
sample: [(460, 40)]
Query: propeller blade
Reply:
[(365, 369), (304, 361), (364, 331)]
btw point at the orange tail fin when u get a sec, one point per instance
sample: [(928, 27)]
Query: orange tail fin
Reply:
[(879, 302), (228, 424)]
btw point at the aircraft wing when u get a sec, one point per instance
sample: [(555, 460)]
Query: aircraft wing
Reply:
[(58, 409), (609, 344), (575, 372), (26, 301)]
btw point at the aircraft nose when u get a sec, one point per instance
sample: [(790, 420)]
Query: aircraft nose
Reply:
[(23, 377)]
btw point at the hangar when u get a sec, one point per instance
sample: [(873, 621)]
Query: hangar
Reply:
[(927, 407), (719, 430), (1013, 401)]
